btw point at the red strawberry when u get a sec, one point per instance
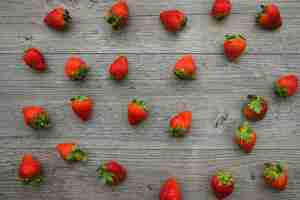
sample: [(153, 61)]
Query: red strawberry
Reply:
[(82, 106), (76, 68), (180, 124), (71, 152), (30, 170), (269, 17), (286, 85), (137, 112), (234, 46), (117, 15), (170, 190), (112, 173), (173, 20), (221, 9), (276, 175), (34, 59), (58, 18), (222, 184), (256, 108), (245, 136), (119, 68), (185, 67), (35, 117)]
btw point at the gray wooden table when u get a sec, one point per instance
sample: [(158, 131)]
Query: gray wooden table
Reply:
[(148, 152)]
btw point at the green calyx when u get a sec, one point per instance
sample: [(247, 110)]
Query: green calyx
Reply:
[(233, 36), (67, 16), (77, 155), (273, 171), (177, 132), (141, 104), (79, 98), (34, 181), (80, 74), (181, 74), (225, 178), (255, 103), (40, 121), (107, 177), (115, 21), (281, 91), (244, 131), (184, 22)]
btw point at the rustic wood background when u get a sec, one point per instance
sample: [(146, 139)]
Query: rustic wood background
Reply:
[(149, 153)]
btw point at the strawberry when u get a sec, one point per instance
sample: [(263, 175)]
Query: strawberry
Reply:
[(222, 184), (119, 68), (276, 175), (117, 15), (234, 46), (36, 117), (286, 85), (221, 9), (137, 111), (170, 190), (71, 152), (185, 67), (180, 124), (173, 20), (82, 106), (112, 173), (269, 17), (76, 68), (30, 170), (245, 136), (256, 108), (58, 18), (34, 58)]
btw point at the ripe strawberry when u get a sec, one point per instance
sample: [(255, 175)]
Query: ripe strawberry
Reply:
[(82, 106), (36, 117), (221, 9), (34, 59), (58, 18), (276, 175), (117, 15), (119, 68), (222, 184), (286, 85), (71, 152), (76, 68), (173, 20), (170, 190), (234, 46), (30, 170), (256, 108), (180, 124), (185, 67), (245, 136), (137, 111), (269, 17), (112, 173)]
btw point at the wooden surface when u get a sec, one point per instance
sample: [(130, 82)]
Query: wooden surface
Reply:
[(149, 153)]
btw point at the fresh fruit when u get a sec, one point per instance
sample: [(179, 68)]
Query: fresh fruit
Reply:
[(36, 117), (30, 170), (180, 124), (76, 68), (234, 46), (276, 175), (119, 68), (256, 108), (137, 111), (185, 67), (117, 15), (58, 18), (222, 184), (71, 152), (245, 137), (82, 106), (269, 17), (112, 173), (34, 59), (221, 9), (286, 85), (173, 20), (170, 190)]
